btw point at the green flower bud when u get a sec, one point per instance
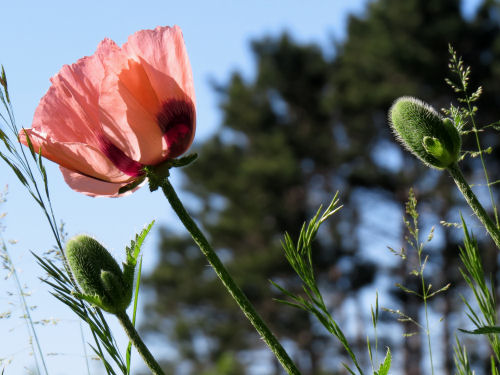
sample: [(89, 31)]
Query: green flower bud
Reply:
[(434, 140), (102, 281)]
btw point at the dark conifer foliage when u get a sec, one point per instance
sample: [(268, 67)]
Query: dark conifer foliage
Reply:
[(303, 127)]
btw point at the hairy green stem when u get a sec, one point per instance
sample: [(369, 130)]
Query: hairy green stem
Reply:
[(139, 344), (227, 280), (471, 199)]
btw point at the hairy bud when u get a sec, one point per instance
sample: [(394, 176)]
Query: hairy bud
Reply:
[(102, 281), (434, 140)]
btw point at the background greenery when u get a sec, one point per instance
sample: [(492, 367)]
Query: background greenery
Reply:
[(305, 125)]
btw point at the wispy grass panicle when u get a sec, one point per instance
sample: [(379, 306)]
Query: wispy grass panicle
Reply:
[(484, 315), (465, 116), (8, 265), (425, 292), (30, 171)]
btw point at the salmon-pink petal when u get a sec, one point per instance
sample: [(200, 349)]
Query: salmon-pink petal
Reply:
[(128, 107), (92, 186), (124, 163), (69, 111), (135, 117), (76, 156), (108, 115), (130, 74), (163, 54)]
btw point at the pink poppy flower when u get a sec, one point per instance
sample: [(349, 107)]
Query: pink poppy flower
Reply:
[(108, 115)]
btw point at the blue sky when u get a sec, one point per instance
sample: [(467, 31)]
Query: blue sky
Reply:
[(36, 39)]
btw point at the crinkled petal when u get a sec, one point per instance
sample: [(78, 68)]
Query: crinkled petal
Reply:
[(128, 107), (147, 97), (93, 187), (77, 157), (69, 111), (108, 115), (163, 54)]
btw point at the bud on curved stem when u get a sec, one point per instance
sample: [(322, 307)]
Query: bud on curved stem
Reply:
[(106, 286), (434, 140), (139, 344), (102, 281)]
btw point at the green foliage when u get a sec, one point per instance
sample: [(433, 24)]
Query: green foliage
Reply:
[(134, 315), (101, 279), (474, 275), (300, 258), (63, 289), (156, 174), (485, 320), (258, 169), (300, 255), (468, 112), (31, 172), (132, 254), (461, 358), (434, 140), (7, 263), (103, 283), (375, 318), (307, 123), (134, 249), (462, 72), (485, 330), (386, 365)]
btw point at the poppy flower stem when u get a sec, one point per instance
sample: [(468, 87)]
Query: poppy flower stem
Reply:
[(139, 344), (227, 280), (474, 204)]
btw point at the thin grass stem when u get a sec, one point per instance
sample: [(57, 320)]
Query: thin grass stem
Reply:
[(84, 345), (28, 318)]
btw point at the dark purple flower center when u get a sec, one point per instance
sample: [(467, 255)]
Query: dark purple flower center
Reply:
[(118, 157), (176, 120)]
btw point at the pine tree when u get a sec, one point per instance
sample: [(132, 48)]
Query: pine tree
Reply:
[(302, 128)]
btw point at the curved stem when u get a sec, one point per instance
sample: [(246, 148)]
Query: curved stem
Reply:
[(480, 150), (227, 280), (139, 344), (471, 199)]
